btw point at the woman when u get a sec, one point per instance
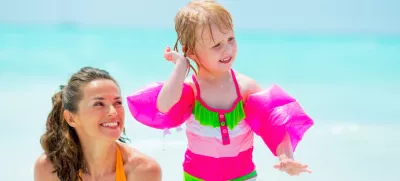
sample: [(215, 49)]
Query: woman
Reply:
[(82, 129)]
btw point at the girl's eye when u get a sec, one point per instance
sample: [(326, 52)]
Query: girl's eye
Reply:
[(217, 45), (230, 39), (119, 103)]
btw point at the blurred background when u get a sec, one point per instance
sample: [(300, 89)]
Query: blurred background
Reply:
[(340, 59)]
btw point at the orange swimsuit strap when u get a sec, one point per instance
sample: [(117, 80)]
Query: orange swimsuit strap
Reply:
[(119, 167)]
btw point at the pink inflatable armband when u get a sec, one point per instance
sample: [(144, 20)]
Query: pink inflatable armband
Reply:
[(272, 112), (143, 107)]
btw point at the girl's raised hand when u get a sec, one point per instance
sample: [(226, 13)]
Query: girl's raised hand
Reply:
[(173, 56)]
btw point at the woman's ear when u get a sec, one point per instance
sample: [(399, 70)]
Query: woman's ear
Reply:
[(68, 116)]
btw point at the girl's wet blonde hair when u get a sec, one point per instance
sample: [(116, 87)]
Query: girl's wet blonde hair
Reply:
[(195, 15)]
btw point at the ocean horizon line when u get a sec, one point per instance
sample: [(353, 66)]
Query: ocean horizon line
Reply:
[(71, 27)]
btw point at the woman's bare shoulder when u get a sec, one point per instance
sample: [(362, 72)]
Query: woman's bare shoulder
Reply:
[(43, 169), (139, 166)]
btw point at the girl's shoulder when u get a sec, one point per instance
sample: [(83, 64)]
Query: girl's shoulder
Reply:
[(247, 85), (189, 81)]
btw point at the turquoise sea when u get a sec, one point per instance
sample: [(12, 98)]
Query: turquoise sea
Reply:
[(349, 83)]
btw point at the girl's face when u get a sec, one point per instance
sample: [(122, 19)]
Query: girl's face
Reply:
[(215, 50)]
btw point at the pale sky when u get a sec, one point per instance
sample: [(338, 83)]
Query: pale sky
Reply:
[(332, 16)]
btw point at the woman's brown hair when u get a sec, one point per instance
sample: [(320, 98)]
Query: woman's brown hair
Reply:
[(60, 142)]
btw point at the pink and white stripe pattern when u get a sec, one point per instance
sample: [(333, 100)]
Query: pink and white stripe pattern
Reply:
[(207, 158)]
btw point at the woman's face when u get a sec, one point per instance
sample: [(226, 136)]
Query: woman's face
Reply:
[(100, 112)]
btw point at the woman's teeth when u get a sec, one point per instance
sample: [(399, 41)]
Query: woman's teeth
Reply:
[(109, 124)]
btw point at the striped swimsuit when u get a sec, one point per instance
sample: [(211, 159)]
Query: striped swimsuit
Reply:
[(220, 142)]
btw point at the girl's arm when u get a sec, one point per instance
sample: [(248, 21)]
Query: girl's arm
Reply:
[(171, 91), (164, 105), (277, 118), (284, 149)]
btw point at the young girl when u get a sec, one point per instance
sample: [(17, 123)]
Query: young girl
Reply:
[(221, 107)]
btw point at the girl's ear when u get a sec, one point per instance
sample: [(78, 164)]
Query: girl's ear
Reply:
[(184, 48), (189, 53)]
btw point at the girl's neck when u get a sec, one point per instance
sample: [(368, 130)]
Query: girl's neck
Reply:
[(213, 77)]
